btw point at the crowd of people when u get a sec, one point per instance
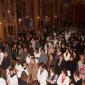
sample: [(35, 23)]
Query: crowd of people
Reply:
[(51, 56)]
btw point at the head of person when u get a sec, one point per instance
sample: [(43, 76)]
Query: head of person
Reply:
[(42, 51), (11, 71), (23, 75), (14, 46), (82, 57), (5, 54), (64, 73), (41, 66), (52, 70), (74, 53), (33, 38), (25, 49), (32, 60), (68, 50), (62, 45), (71, 58), (30, 45), (36, 50), (24, 64), (61, 57), (19, 46), (18, 61), (7, 44), (76, 75)]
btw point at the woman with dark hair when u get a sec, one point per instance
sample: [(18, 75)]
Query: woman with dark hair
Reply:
[(18, 68), (77, 80), (12, 77), (60, 64), (14, 51), (42, 75), (67, 55), (6, 61), (52, 78), (23, 79), (20, 52), (63, 78)]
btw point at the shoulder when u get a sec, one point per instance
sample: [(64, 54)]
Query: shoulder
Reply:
[(79, 82), (2, 81)]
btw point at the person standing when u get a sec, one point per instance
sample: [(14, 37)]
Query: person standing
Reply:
[(23, 79), (12, 78), (18, 68), (32, 69), (63, 78), (42, 75), (52, 78), (6, 61), (43, 57), (77, 80)]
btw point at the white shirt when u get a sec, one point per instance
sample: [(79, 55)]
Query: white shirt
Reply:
[(13, 80), (55, 41), (1, 57), (26, 71), (19, 70), (66, 81), (67, 36), (2, 81), (67, 57), (42, 77), (37, 55)]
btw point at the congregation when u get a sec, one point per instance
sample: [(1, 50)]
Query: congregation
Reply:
[(52, 56)]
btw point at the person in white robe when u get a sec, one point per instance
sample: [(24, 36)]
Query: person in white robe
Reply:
[(63, 78), (42, 75), (18, 68), (12, 79)]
